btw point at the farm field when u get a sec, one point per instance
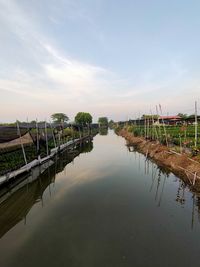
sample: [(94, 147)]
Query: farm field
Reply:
[(11, 157), (178, 135)]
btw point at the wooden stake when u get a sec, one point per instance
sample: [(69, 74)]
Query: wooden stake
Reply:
[(158, 124), (22, 146), (180, 143), (163, 126), (154, 126), (47, 146), (145, 128), (196, 125), (54, 139), (195, 176), (37, 140)]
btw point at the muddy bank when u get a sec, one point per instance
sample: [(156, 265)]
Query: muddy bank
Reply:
[(181, 165)]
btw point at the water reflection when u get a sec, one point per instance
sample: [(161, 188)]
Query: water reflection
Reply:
[(103, 130), (159, 180), (110, 208), (17, 201)]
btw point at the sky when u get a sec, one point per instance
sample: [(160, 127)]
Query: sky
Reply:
[(114, 58)]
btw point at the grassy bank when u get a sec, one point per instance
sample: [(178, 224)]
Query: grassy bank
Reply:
[(183, 165), (181, 138)]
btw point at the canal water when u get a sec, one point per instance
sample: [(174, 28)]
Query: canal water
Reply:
[(109, 207)]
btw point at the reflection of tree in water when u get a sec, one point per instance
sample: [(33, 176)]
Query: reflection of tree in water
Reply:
[(68, 156), (103, 130), (26, 192), (86, 147)]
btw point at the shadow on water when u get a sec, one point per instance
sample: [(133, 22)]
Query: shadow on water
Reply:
[(159, 176), (16, 203)]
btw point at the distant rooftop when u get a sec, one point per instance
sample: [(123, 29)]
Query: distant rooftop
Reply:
[(169, 117)]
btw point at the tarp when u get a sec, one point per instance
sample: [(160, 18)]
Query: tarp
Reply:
[(8, 134), (25, 140)]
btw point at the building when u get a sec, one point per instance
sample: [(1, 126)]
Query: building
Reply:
[(170, 120)]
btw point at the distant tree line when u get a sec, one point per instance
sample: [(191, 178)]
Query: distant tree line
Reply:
[(81, 118)]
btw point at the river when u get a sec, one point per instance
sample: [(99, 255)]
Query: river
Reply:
[(109, 207)]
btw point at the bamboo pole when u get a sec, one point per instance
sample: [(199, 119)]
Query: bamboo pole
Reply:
[(47, 146), (163, 125), (37, 140), (139, 124), (196, 126), (180, 143), (54, 139), (22, 146), (153, 127), (158, 124), (145, 128)]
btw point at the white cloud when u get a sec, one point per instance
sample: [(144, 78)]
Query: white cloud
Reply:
[(58, 78)]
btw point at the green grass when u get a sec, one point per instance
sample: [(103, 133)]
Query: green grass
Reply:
[(175, 134)]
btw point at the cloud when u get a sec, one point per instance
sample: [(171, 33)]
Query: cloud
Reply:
[(76, 76), (55, 77)]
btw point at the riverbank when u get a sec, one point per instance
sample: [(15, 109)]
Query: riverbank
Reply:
[(25, 169), (188, 169)]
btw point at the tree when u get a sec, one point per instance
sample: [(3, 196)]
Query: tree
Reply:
[(147, 116), (183, 116), (103, 121), (59, 117), (111, 123), (83, 118)]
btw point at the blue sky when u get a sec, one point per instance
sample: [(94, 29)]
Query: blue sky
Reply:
[(110, 58)]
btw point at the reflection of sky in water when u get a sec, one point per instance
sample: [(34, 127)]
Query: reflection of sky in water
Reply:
[(108, 207)]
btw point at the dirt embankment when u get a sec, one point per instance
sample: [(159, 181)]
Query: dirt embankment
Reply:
[(180, 164)]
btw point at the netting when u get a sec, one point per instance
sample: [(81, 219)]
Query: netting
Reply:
[(8, 134)]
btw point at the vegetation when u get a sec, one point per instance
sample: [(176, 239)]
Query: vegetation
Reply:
[(175, 135), (146, 116), (103, 121), (103, 130), (59, 117), (83, 118), (183, 116), (12, 158)]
